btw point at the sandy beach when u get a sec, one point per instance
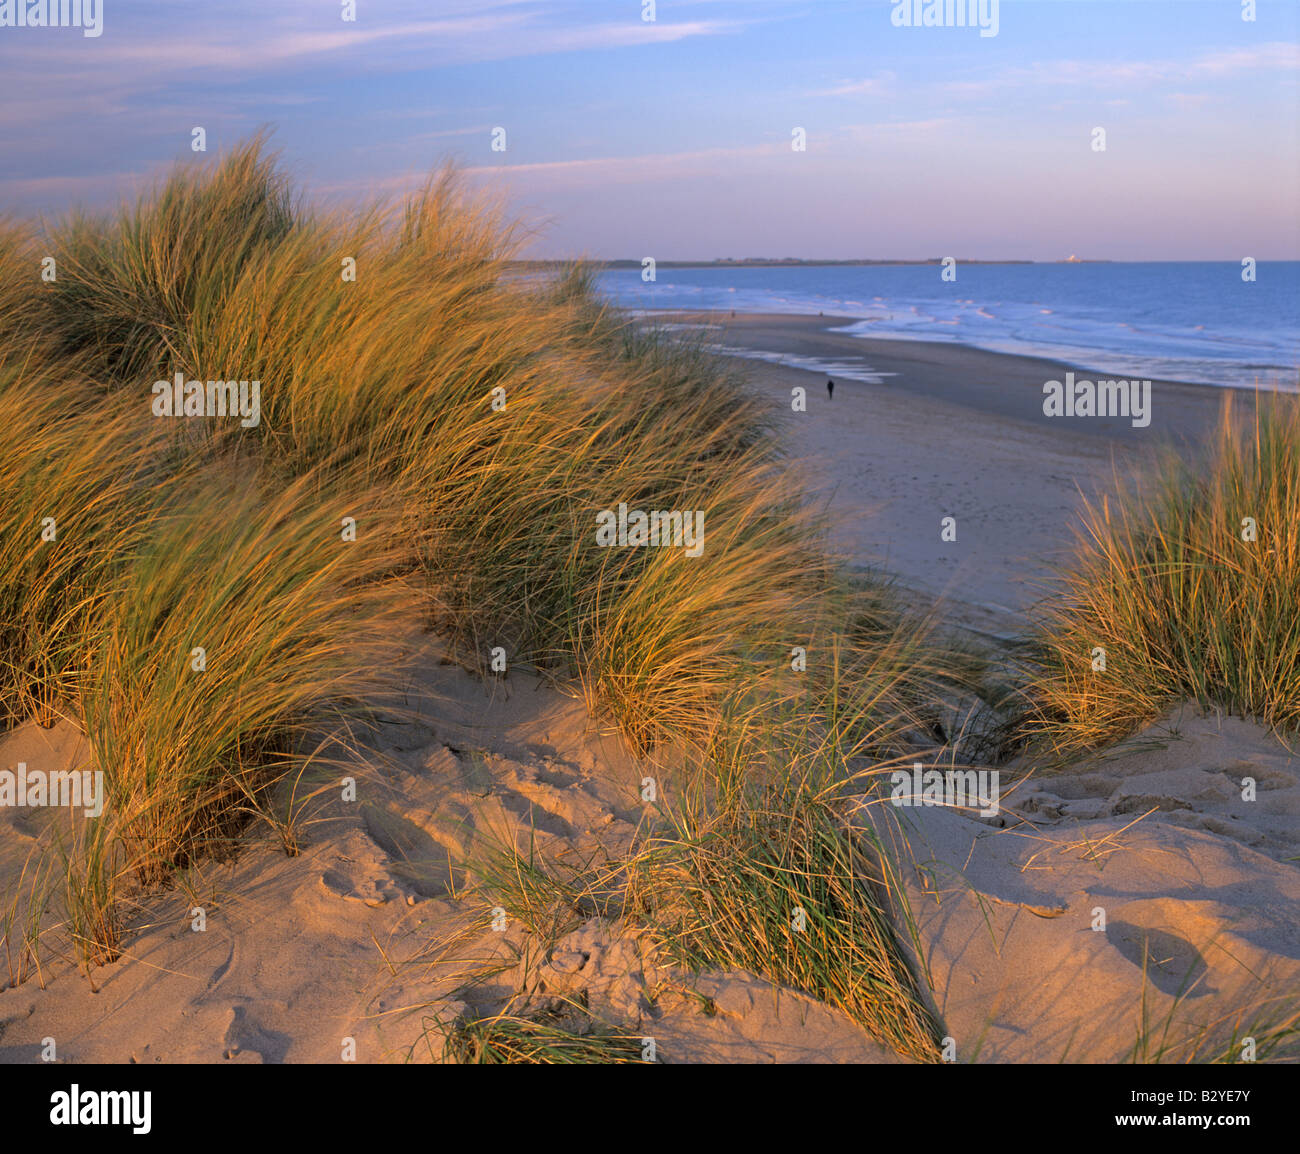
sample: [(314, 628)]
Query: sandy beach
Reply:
[(918, 431)]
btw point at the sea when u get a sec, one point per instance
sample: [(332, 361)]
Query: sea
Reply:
[(1181, 321)]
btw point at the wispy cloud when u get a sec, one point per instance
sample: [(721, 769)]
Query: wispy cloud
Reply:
[(1258, 59), (1272, 57), (879, 83), (65, 188), (631, 169), (246, 54), (599, 171), (253, 42)]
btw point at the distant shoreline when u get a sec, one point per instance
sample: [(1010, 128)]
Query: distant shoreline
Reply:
[(775, 262), (829, 323), (998, 383), (942, 428)]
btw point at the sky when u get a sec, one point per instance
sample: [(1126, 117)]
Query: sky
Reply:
[(674, 137)]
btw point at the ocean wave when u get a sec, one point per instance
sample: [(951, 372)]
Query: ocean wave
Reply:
[(1168, 322)]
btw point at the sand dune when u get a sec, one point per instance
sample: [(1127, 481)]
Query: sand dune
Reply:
[(373, 930)]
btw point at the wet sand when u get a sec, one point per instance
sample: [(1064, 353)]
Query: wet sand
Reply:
[(932, 430), (995, 384)]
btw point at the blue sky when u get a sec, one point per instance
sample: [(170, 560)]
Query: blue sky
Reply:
[(672, 138)]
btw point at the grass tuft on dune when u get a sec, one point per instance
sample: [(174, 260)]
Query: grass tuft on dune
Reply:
[(1188, 588)]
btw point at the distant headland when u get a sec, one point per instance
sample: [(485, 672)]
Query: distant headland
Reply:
[(776, 262)]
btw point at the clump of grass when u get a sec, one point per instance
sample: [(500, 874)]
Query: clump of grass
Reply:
[(1191, 585), (549, 1037), (549, 897), (758, 868), (289, 618), (128, 287), (397, 366), (890, 680), (93, 892), (76, 482), (782, 887)]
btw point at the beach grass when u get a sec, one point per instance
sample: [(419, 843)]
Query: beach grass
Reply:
[(229, 637), (128, 285), (1186, 586), (22, 912), (759, 868), (77, 492), (549, 1037)]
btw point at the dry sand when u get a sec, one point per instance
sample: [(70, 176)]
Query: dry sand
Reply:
[(1136, 901), (368, 935), (371, 932)]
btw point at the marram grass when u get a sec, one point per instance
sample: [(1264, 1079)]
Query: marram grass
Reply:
[(759, 869), (240, 616), (541, 1038), (1187, 585)]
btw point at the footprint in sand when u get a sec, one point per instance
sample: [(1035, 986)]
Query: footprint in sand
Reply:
[(248, 1040), (375, 890), (1173, 965)]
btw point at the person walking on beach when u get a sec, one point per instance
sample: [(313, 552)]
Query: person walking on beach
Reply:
[(830, 389)]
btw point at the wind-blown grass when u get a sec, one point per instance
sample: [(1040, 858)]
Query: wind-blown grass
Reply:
[(76, 483), (128, 286), (475, 425), (239, 617), (1191, 586), (759, 868)]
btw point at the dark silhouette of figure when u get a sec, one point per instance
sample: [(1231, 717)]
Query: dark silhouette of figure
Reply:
[(830, 389)]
